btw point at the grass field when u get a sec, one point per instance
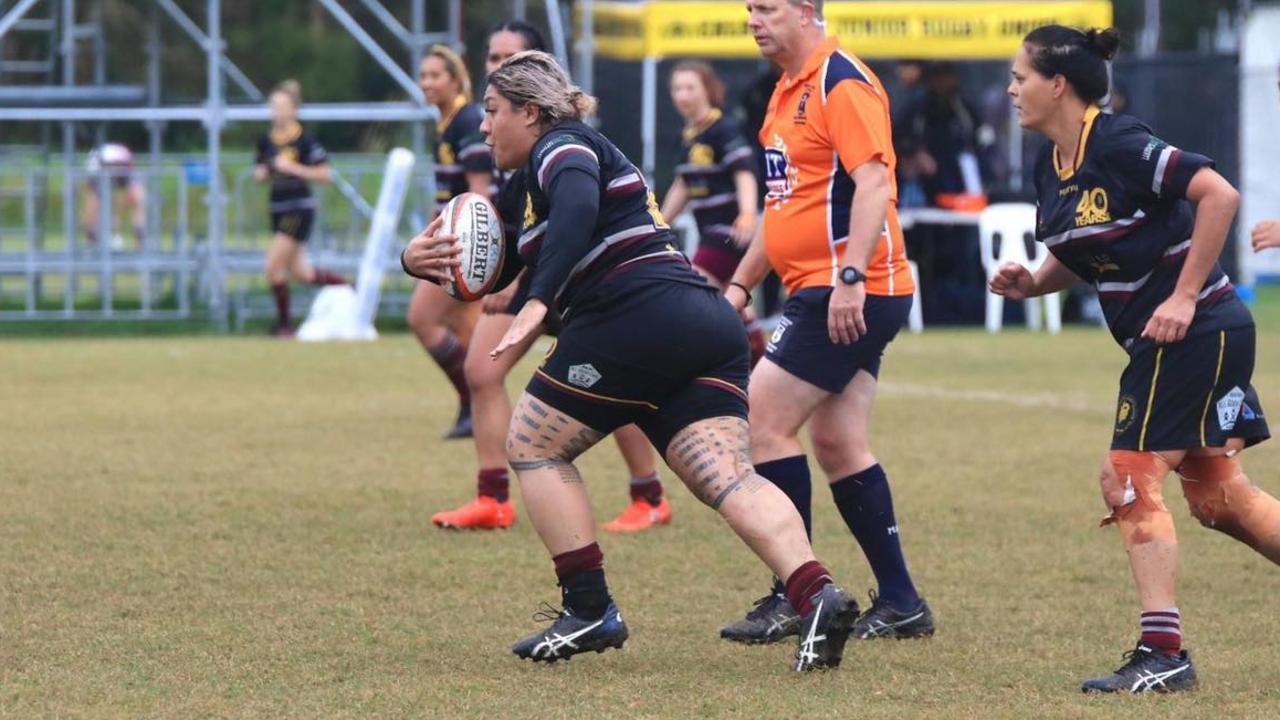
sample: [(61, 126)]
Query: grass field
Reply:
[(222, 527)]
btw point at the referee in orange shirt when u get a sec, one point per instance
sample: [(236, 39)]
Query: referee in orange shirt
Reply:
[(831, 232)]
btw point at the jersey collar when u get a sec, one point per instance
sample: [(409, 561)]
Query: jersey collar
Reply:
[(693, 130), (459, 102), (813, 64), (1064, 173), (291, 132)]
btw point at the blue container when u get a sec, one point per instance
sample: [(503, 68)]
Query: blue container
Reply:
[(197, 172)]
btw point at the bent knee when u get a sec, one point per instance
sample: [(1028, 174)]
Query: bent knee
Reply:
[(483, 373)]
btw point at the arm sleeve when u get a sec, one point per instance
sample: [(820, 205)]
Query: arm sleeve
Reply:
[(316, 154), (858, 122), (511, 202), (1155, 168), (573, 191), (261, 158), (732, 151), (474, 155)]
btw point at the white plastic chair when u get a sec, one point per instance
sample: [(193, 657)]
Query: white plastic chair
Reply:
[(915, 320), (1015, 225)]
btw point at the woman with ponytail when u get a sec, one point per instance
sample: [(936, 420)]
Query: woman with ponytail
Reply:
[(1145, 223), (290, 160)]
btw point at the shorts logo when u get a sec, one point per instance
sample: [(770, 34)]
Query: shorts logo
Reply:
[(1229, 408), (778, 332), (1125, 413), (584, 376)]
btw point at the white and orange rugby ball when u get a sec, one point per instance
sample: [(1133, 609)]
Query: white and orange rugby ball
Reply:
[(474, 220)]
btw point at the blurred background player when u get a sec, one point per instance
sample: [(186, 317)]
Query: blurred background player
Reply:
[(644, 339), (716, 180), (486, 378), (831, 232), (116, 161), (1115, 209), (290, 160), (442, 324)]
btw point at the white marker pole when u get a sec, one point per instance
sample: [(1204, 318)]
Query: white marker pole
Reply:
[(386, 217)]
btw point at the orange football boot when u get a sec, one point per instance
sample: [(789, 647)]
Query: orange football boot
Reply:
[(483, 513), (640, 515)]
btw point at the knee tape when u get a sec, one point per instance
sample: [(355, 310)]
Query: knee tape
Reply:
[(1223, 498), (1132, 488)]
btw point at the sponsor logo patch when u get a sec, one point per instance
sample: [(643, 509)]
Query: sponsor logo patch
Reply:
[(780, 177), (584, 375), (1125, 413), (778, 332), (1228, 407)]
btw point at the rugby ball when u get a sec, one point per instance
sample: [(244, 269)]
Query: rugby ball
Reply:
[(474, 220)]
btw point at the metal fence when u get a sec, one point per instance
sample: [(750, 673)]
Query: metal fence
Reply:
[(63, 259)]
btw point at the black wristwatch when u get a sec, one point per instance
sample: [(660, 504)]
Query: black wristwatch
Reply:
[(850, 275)]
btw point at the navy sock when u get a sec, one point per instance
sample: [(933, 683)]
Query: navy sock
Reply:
[(866, 504), (791, 475)]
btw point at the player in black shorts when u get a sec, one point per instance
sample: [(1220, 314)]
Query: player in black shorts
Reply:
[(716, 180), (290, 160), (1145, 222), (644, 339), (486, 379), (442, 324)]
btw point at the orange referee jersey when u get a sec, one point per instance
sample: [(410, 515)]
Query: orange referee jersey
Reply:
[(821, 124)]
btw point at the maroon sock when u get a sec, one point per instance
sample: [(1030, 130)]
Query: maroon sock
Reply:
[(804, 583), (281, 291), (324, 277), (755, 341), (1162, 629), (648, 489), (582, 585), (494, 483), (450, 356)]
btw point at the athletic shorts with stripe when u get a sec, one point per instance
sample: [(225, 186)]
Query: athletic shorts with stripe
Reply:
[(663, 355), (1191, 394)]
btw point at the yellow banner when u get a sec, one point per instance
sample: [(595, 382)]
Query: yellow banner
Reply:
[(978, 30)]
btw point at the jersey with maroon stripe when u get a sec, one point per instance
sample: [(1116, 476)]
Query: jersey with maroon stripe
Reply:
[(569, 256), (1117, 216)]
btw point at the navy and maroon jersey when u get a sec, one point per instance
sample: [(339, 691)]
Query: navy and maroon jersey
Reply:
[(460, 149), (1118, 217), (589, 219), (289, 192), (711, 153)]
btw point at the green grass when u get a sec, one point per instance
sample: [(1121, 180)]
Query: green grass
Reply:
[(235, 527)]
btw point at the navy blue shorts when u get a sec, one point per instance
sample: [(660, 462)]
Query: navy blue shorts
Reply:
[(1191, 394), (801, 346), (662, 355), (294, 223)]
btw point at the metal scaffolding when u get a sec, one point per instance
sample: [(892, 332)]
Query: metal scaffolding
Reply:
[(54, 93), (63, 99)]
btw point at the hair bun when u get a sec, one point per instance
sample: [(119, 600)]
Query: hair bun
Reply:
[(1104, 42)]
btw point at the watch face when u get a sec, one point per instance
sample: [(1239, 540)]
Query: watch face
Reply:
[(850, 276)]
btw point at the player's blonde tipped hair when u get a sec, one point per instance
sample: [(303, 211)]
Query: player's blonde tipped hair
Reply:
[(535, 78), (454, 66), (291, 89)]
